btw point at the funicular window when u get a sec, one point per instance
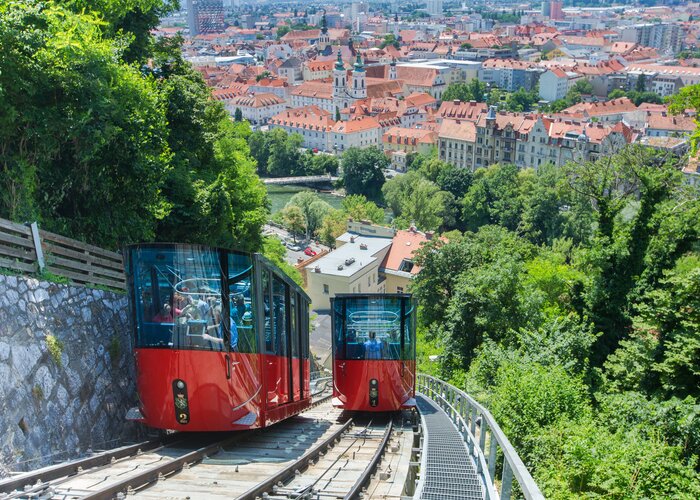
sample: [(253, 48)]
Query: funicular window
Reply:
[(279, 310), (409, 330), (242, 320), (267, 308), (177, 297), (294, 323), (368, 327)]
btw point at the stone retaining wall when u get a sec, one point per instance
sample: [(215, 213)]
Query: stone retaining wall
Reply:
[(66, 372)]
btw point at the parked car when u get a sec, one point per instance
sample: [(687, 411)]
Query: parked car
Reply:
[(294, 247), (309, 251)]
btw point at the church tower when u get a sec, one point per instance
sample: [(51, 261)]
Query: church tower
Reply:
[(324, 40), (339, 83), (358, 90), (392, 69)]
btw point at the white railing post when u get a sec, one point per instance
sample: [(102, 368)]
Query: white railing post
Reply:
[(37, 246)]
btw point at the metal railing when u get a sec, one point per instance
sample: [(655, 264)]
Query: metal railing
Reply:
[(484, 439)]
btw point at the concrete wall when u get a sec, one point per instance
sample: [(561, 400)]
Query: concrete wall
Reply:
[(66, 372)]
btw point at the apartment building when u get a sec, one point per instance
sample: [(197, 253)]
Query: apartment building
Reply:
[(311, 122)]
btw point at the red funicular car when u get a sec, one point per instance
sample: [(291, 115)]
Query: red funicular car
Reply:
[(374, 351), (221, 338)]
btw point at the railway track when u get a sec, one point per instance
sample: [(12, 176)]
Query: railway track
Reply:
[(321, 452)]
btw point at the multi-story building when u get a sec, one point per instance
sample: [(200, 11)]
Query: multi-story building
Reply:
[(555, 83), (509, 74), (667, 37), (317, 70), (353, 267), (434, 8), (409, 140), (311, 122), (361, 132), (528, 140), (457, 143), (258, 108), (460, 110), (205, 16)]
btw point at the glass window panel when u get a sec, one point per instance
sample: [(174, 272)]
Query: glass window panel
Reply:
[(372, 328), (267, 307), (177, 297), (240, 283), (279, 299)]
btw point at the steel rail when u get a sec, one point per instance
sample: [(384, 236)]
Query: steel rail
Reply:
[(74, 467), (175, 465), (367, 473), (291, 469), (153, 474)]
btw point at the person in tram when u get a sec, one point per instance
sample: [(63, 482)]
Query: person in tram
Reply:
[(373, 347), (165, 315)]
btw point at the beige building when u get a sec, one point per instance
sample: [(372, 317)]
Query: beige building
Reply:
[(368, 259), (353, 267), (398, 267)]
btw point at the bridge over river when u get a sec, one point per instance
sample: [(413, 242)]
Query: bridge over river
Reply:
[(308, 179), (454, 449)]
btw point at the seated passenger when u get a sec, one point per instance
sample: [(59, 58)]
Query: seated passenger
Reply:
[(165, 315), (373, 347), (191, 311)]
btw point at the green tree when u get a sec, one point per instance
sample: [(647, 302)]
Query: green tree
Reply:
[(475, 90), (294, 220), (333, 225), (363, 171), (312, 208), (238, 115), (83, 135), (494, 198), (357, 207), (416, 200)]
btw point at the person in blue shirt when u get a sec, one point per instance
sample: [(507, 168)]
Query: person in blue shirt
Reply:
[(373, 347)]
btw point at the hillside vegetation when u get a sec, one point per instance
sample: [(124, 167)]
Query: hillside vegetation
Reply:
[(570, 307)]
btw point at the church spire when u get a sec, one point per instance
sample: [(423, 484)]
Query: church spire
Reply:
[(358, 63), (339, 62)]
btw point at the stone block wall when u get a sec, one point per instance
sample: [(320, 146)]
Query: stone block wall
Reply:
[(66, 372)]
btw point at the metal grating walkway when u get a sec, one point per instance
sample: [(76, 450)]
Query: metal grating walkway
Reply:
[(449, 472)]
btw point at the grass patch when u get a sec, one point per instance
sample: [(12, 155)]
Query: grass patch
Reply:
[(105, 288), (114, 349), (55, 348), (38, 392), (45, 275)]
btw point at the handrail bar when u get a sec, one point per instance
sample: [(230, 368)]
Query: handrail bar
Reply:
[(515, 465)]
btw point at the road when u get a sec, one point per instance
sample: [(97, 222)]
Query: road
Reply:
[(292, 256)]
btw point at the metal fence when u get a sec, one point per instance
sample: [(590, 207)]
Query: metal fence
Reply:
[(28, 249), (484, 438)]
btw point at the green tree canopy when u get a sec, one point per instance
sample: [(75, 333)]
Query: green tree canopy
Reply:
[(363, 171)]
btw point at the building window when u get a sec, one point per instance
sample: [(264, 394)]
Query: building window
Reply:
[(325, 289), (406, 266), (399, 289)]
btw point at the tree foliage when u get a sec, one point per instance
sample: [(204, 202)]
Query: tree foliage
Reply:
[(363, 171), (569, 307), (109, 136)]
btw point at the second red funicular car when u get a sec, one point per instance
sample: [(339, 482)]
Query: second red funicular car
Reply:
[(374, 357)]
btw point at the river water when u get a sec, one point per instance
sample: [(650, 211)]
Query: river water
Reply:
[(280, 194)]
